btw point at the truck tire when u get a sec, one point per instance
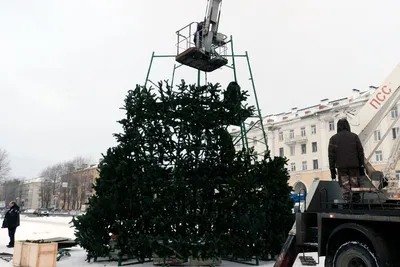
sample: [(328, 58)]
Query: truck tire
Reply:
[(353, 253)]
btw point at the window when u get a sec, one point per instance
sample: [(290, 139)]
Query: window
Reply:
[(293, 166), (394, 113), (398, 178), (303, 149), (303, 131), (255, 141), (304, 165), (281, 152), (314, 147), (291, 134), (280, 136), (395, 132), (313, 129), (315, 164), (292, 150), (331, 125), (377, 135), (378, 156)]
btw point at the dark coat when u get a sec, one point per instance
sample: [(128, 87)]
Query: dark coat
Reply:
[(199, 31), (11, 219), (345, 150)]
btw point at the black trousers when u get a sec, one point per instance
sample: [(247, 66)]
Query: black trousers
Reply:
[(11, 234)]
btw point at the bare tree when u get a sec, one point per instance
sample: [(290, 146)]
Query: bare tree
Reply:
[(12, 189), (68, 169), (86, 182), (75, 188), (45, 192), (51, 184), (70, 194), (4, 164)]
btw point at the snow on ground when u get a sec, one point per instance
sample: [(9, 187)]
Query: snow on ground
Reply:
[(47, 227)]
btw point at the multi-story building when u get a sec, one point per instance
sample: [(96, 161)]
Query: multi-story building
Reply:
[(31, 193), (77, 187), (302, 135)]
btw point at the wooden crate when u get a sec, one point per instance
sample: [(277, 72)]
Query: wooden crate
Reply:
[(17, 253), (28, 254)]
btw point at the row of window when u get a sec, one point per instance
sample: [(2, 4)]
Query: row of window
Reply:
[(303, 130), (394, 114), (378, 157), (314, 148), (395, 134), (304, 165)]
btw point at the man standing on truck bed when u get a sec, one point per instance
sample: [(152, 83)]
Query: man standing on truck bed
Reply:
[(346, 154)]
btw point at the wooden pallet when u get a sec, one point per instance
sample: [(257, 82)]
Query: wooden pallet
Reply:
[(63, 242), (6, 256), (307, 261)]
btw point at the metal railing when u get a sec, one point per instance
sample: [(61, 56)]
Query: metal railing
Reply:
[(185, 40), (185, 37)]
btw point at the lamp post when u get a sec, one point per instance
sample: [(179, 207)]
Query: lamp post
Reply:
[(64, 185)]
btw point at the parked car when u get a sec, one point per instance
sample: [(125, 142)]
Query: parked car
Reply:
[(30, 211), (41, 212)]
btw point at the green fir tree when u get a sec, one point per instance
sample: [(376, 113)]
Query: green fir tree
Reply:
[(175, 187)]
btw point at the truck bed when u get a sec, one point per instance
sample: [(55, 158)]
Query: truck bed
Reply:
[(385, 209)]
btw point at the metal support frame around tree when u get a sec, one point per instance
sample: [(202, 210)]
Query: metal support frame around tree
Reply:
[(244, 127)]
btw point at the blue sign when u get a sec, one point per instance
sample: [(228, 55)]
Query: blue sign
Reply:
[(298, 197)]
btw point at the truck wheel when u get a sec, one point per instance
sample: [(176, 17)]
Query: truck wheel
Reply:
[(354, 254)]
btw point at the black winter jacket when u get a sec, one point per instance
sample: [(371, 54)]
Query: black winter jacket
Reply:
[(11, 219), (345, 150)]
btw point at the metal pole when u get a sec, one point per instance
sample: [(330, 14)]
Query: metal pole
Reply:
[(148, 71), (258, 107), (243, 126), (173, 76), (233, 60), (198, 78), (167, 56)]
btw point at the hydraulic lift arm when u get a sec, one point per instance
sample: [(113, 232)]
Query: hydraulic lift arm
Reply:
[(367, 120), (211, 23)]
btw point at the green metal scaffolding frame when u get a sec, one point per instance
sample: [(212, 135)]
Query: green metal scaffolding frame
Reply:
[(245, 128)]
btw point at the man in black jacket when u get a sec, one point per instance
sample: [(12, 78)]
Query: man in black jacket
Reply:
[(11, 221), (346, 154), (199, 34)]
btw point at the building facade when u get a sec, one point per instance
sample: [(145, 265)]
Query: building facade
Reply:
[(77, 188), (302, 136), (30, 198)]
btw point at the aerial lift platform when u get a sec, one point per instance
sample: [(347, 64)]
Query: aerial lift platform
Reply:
[(200, 45)]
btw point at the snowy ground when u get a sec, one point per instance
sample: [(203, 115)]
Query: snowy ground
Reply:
[(47, 227)]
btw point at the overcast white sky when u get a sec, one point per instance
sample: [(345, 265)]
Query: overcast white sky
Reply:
[(65, 66)]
